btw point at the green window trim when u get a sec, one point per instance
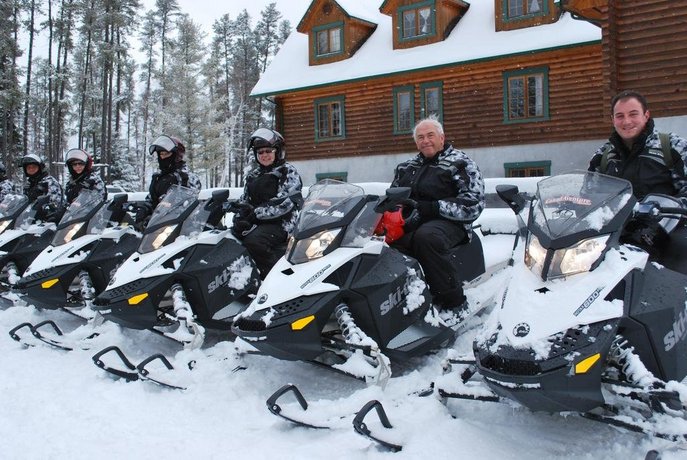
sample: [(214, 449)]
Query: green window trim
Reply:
[(431, 4), (506, 18), (525, 73), (329, 28), (330, 102), (340, 176), (424, 87), (398, 129), (544, 164)]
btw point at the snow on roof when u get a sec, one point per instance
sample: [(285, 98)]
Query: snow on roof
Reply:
[(364, 11), (474, 38)]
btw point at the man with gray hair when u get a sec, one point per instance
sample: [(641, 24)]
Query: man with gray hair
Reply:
[(447, 191)]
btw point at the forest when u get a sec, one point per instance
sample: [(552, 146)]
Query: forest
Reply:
[(112, 76)]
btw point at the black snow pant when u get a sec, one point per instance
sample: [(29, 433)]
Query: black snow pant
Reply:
[(431, 244), (266, 243)]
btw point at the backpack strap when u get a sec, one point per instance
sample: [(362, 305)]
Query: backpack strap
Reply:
[(664, 138)]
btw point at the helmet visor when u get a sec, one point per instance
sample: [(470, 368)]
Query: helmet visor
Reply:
[(162, 143), (77, 155), (265, 134)]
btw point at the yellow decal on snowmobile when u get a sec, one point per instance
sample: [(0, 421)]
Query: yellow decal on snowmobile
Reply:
[(301, 323), (583, 366), (135, 300), (50, 283)]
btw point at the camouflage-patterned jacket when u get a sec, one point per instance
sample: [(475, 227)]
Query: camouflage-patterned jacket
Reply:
[(644, 164), (450, 178), (162, 182), (7, 187), (272, 192), (91, 181), (41, 184)]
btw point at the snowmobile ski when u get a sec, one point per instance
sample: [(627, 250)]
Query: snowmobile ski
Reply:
[(276, 409), (131, 372), (54, 342), (361, 427)]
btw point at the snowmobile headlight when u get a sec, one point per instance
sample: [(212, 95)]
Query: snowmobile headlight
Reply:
[(578, 258), (156, 239), (3, 225), (313, 247), (564, 262), (535, 254), (67, 234)]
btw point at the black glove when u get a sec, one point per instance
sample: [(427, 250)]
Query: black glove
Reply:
[(412, 220), (143, 210), (428, 209)]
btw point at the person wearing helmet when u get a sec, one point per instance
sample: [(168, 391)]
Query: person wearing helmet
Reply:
[(447, 194), (7, 187), (40, 183), (173, 171), (81, 175), (269, 204)]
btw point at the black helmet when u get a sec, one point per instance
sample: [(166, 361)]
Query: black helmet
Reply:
[(264, 137), (169, 144), (32, 159)]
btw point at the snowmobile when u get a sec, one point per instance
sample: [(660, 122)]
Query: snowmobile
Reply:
[(594, 319), (188, 273), (343, 298), (20, 244), (91, 240)]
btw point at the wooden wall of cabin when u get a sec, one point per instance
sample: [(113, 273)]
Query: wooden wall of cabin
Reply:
[(472, 107), (645, 49)]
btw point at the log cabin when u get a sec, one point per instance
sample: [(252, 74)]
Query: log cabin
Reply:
[(522, 86)]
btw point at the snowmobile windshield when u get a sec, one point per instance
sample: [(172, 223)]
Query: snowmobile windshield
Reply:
[(164, 225), (175, 203), (86, 202), (77, 215), (12, 205), (578, 202), (327, 203)]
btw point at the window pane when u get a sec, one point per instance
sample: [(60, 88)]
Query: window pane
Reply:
[(425, 25), (534, 7), (432, 101), (516, 97), (335, 40), (409, 24), (515, 8), (323, 121), (336, 119), (322, 42), (535, 96), (404, 114)]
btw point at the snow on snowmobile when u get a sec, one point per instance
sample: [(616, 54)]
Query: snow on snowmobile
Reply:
[(91, 240), (342, 297), (188, 274), (11, 208), (593, 321)]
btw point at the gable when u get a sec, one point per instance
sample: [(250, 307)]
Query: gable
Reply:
[(335, 29)]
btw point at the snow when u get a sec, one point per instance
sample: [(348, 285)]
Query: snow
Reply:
[(474, 38), (58, 405)]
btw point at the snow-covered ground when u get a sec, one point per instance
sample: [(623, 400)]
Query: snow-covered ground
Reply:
[(59, 405)]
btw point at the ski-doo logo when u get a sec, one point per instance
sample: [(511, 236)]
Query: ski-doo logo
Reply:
[(521, 330), (395, 298), (678, 333), (590, 300), (220, 280), (262, 299)]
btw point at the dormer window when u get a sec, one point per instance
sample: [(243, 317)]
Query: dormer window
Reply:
[(522, 8), (328, 39), (418, 21)]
